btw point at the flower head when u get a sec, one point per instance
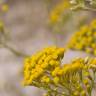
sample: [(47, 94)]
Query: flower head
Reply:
[(85, 39), (44, 70), (41, 63)]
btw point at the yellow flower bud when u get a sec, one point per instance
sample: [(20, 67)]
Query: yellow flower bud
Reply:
[(76, 93), (56, 80), (86, 73), (45, 79), (85, 81), (88, 87), (83, 93), (94, 52)]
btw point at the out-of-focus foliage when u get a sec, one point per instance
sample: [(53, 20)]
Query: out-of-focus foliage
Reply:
[(83, 5), (64, 10), (64, 5), (58, 11), (85, 39), (44, 70), (4, 34), (3, 7), (59, 15)]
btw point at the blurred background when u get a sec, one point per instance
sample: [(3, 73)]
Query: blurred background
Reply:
[(27, 23)]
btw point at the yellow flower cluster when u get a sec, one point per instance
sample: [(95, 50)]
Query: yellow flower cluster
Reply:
[(85, 39), (58, 11), (44, 70), (40, 64)]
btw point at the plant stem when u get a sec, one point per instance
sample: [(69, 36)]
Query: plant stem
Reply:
[(16, 52), (89, 9), (85, 8)]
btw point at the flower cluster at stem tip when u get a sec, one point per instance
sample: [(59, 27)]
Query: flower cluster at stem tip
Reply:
[(85, 39), (41, 63), (45, 70)]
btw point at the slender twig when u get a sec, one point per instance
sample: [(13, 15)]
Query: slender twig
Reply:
[(83, 8), (89, 9), (16, 52)]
